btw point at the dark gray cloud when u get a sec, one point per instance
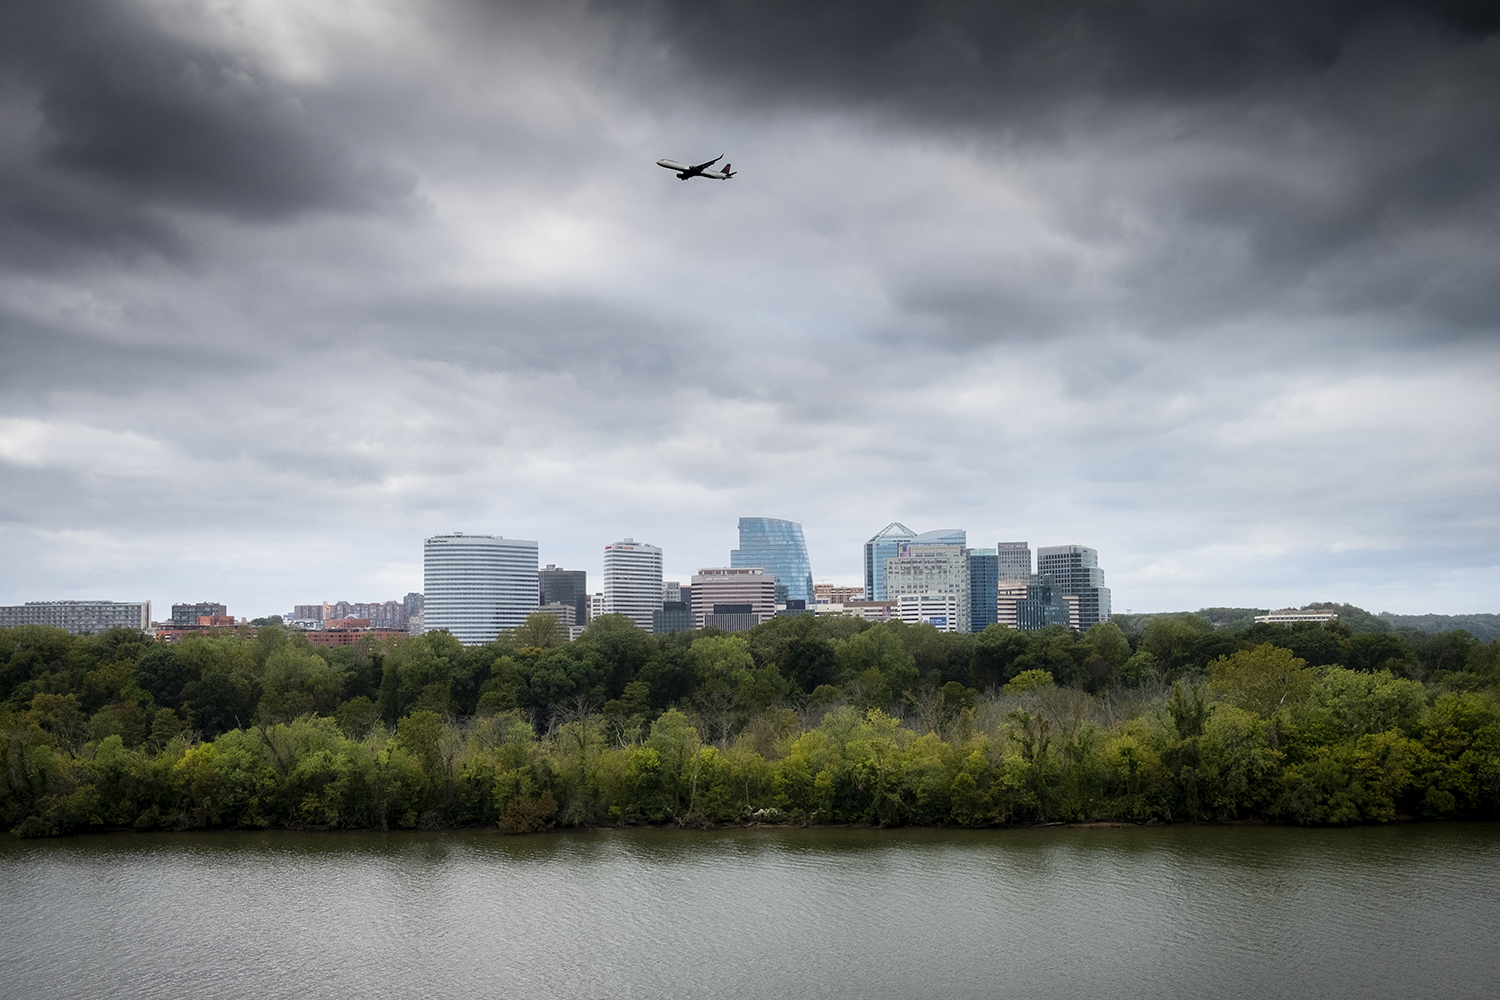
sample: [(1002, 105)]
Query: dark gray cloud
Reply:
[(979, 59), (285, 287), (112, 118)]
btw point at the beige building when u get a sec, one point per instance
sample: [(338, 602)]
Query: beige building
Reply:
[(834, 593), (748, 585)]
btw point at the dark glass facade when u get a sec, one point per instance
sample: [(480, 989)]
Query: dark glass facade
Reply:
[(1043, 606), (566, 586), (674, 616), (984, 582), (777, 547)]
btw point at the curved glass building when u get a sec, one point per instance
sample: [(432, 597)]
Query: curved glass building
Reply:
[(777, 547)]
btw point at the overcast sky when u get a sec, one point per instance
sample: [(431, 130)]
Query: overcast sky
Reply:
[(287, 287)]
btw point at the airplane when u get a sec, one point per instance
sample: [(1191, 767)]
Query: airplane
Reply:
[(684, 171)]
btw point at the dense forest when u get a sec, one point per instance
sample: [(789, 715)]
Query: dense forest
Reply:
[(802, 719)]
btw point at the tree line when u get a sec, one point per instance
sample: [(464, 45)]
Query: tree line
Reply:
[(801, 719)]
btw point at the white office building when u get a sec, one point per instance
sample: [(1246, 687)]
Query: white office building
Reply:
[(931, 569), (937, 610), (477, 585), (632, 581)]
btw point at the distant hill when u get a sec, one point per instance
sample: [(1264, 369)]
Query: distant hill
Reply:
[(1482, 627)]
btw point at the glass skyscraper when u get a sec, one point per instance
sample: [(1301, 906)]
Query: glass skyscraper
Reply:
[(777, 547), (984, 581)]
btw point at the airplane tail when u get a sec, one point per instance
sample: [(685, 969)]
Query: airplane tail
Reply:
[(727, 172)]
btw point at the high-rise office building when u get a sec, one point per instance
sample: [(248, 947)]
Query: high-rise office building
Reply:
[(477, 585), (984, 582), (1075, 572), (777, 547), (877, 550), (1042, 605), (79, 617), (566, 586), (632, 581), (733, 585), (1014, 559), (931, 569)]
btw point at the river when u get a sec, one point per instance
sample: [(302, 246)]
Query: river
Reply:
[(1190, 912)]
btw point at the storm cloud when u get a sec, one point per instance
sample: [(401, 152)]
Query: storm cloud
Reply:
[(1211, 288)]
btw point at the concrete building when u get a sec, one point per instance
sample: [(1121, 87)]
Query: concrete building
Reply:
[(1013, 561), (475, 586), (566, 614), (1008, 595), (632, 581), (938, 610), (778, 547), (674, 616), (740, 585), (984, 583), (833, 593), (188, 614), (413, 604), (931, 569), (566, 586), (596, 605), (312, 612), (1075, 572), (79, 617)]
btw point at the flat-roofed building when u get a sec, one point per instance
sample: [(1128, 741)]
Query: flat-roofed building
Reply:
[(632, 581), (748, 585), (931, 569), (984, 584), (79, 617), (476, 586), (732, 617), (566, 614), (1013, 561), (1042, 606), (674, 616), (836, 593), (938, 610), (1075, 572), (1292, 616), (566, 586), (188, 614)]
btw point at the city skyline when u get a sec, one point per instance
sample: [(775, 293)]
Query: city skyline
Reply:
[(595, 576)]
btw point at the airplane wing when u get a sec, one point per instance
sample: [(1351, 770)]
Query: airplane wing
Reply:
[(673, 165), (702, 166)]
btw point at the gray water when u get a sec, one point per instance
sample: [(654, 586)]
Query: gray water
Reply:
[(1179, 912)]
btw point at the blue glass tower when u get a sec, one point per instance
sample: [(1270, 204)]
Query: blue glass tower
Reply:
[(883, 546), (984, 586), (777, 547)]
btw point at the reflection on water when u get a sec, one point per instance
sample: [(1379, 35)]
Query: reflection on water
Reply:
[(1178, 912)]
